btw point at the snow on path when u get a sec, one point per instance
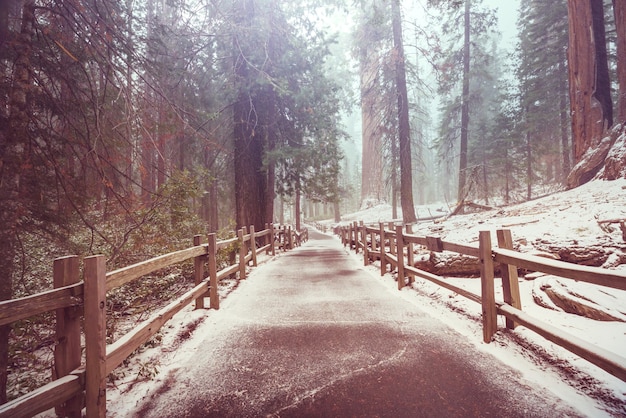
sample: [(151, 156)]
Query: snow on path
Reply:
[(313, 329)]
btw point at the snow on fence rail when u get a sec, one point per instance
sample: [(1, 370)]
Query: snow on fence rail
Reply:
[(76, 386), (388, 243)]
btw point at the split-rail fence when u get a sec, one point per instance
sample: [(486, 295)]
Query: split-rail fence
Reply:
[(394, 246), (77, 385)]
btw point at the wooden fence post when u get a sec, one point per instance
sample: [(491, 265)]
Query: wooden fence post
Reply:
[(357, 244), (198, 270), (400, 255), (383, 257), (95, 335), (269, 238), (290, 235), (243, 242), (67, 351), (366, 255), (214, 297), (510, 282), (392, 243), (242, 254), (374, 244), (490, 323), (253, 245), (410, 256), (273, 238)]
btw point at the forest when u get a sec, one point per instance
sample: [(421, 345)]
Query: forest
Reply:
[(127, 127)]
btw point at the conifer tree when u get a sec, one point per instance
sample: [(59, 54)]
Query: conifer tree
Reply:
[(462, 65), (541, 74)]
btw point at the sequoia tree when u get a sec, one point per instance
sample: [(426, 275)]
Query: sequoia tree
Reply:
[(404, 128), (370, 40), (590, 88)]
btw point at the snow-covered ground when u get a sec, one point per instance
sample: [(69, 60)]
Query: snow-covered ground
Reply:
[(568, 219), (564, 218)]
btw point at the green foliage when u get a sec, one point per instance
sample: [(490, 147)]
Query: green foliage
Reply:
[(483, 81), (168, 225), (542, 75), (285, 73)]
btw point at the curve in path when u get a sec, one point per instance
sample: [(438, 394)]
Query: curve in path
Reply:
[(313, 334)]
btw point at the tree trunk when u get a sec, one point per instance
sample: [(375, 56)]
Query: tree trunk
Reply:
[(565, 147), (147, 169), (248, 154), (250, 133), (394, 177), (603, 81), (13, 146), (465, 105), (507, 176), (371, 167), (297, 209), (484, 172), (529, 166), (590, 100), (212, 207), (619, 9), (404, 127)]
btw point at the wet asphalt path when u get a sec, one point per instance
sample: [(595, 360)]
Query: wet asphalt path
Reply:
[(311, 334)]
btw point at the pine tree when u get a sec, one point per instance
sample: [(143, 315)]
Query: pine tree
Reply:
[(461, 66), (541, 74), (372, 40)]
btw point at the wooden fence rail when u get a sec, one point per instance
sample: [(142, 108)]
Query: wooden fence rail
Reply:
[(76, 386), (392, 245)]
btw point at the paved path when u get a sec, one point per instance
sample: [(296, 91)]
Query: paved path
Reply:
[(312, 334)]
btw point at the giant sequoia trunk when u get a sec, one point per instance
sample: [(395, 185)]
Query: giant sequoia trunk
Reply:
[(404, 128), (250, 175), (566, 152), (254, 116), (372, 167), (590, 99)]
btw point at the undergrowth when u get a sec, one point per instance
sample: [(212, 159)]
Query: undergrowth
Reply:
[(125, 237)]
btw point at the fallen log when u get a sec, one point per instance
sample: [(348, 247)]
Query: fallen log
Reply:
[(565, 295)]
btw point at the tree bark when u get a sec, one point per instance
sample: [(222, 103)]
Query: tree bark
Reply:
[(465, 104), (371, 166), (565, 147), (298, 209), (250, 182), (619, 9), (252, 111), (603, 80), (529, 166), (395, 158), (590, 101), (404, 127)]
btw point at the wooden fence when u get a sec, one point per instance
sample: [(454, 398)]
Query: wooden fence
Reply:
[(394, 245), (76, 386)]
